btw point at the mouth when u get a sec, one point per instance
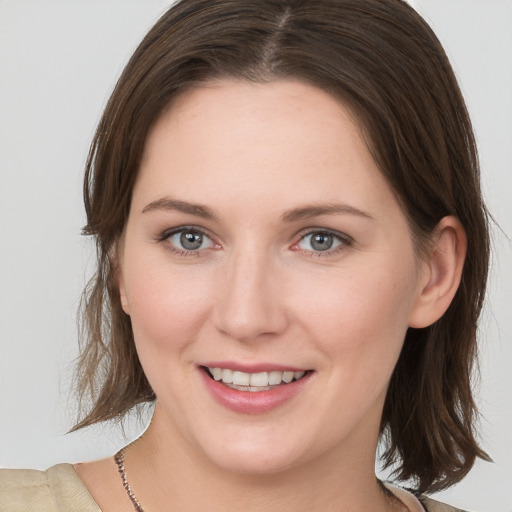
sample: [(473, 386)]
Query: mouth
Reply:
[(254, 382)]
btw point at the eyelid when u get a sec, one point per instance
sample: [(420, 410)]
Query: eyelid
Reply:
[(168, 233), (344, 239), (178, 229), (318, 229)]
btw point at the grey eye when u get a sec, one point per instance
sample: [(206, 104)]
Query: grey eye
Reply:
[(190, 240), (321, 241)]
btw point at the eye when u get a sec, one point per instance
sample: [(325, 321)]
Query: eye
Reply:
[(189, 240), (323, 241)]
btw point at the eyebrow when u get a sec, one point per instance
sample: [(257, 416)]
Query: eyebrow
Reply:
[(316, 210), (169, 204), (294, 215)]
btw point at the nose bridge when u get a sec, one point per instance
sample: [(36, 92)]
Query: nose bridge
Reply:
[(249, 303)]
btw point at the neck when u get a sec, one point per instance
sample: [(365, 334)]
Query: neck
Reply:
[(192, 482)]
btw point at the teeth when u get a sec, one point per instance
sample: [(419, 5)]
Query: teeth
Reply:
[(287, 377), (275, 378), (259, 379), (226, 376), (254, 380), (241, 379)]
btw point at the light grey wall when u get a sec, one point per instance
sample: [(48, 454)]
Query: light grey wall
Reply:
[(477, 35), (58, 61)]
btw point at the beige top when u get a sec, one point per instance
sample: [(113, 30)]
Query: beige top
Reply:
[(59, 489)]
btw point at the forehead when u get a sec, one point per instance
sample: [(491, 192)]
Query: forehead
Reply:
[(280, 141)]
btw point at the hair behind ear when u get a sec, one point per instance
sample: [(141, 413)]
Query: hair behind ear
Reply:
[(107, 351), (429, 415)]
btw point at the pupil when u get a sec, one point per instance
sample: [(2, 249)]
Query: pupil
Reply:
[(321, 242), (191, 241)]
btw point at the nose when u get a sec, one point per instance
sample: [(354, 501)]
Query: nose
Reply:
[(250, 302)]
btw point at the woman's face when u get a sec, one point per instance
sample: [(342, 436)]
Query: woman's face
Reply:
[(263, 244)]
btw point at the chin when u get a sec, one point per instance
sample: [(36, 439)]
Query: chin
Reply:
[(261, 465), (247, 457)]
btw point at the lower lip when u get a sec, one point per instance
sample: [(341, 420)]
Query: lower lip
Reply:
[(253, 402)]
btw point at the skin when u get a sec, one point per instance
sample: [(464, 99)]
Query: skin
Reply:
[(258, 291)]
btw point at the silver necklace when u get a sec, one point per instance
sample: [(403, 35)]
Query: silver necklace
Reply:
[(119, 460)]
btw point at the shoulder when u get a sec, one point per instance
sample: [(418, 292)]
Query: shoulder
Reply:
[(57, 489), (436, 506), (416, 502)]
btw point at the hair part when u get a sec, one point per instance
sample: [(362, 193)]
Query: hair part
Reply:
[(383, 62)]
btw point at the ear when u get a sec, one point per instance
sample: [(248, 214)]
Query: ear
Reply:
[(440, 273), (116, 263), (122, 293)]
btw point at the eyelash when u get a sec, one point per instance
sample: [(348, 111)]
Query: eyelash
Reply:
[(343, 239), (166, 235)]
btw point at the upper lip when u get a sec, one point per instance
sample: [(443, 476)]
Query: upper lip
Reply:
[(253, 367)]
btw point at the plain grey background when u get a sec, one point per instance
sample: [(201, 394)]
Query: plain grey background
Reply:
[(59, 60)]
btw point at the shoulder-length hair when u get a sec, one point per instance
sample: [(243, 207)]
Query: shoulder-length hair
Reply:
[(384, 63)]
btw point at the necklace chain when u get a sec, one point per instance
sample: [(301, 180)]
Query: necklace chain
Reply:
[(119, 460)]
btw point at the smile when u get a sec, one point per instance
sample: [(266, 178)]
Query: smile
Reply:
[(254, 382), (256, 391)]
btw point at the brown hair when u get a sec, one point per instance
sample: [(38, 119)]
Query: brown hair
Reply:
[(382, 61)]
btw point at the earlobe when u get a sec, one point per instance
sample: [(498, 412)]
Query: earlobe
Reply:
[(441, 272), (122, 295), (116, 266)]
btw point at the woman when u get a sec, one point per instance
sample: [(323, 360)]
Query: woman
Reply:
[(293, 253)]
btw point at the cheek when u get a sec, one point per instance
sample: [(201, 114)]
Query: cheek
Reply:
[(167, 305), (359, 316), (167, 313)]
